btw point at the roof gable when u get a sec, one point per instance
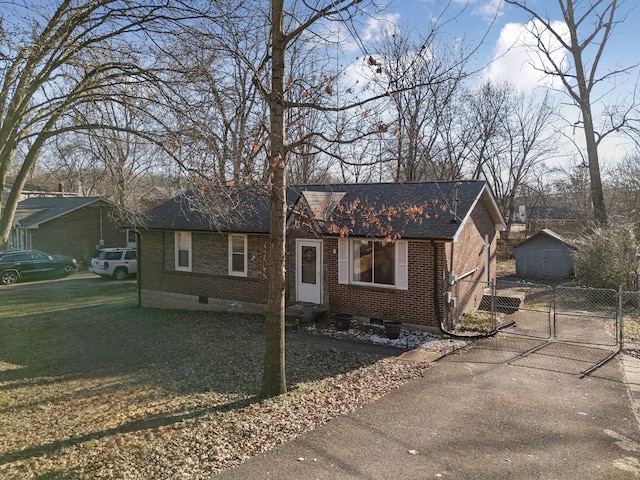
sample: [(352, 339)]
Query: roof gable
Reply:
[(545, 232)]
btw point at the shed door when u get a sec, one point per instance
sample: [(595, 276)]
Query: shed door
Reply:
[(309, 271), (545, 263)]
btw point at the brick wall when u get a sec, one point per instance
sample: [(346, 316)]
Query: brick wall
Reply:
[(469, 253), (77, 233), (415, 305), (208, 277)]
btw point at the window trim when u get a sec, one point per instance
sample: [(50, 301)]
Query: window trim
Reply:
[(176, 242), (236, 273), (345, 264)]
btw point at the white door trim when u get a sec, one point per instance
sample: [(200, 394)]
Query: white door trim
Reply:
[(308, 291)]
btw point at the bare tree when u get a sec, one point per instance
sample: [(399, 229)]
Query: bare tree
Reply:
[(422, 76), (55, 58), (301, 22), (219, 118), (624, 192), (590, 25), (513, 140)]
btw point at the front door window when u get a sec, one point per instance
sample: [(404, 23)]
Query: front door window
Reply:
[(309, 255)]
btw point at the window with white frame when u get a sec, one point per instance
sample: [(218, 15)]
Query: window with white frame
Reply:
[(373, 262), (183, 251), (238, 255)]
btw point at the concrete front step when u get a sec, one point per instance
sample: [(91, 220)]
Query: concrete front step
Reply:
[(295, 315)]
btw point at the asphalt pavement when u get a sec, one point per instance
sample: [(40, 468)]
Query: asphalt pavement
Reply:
[(508, 408)]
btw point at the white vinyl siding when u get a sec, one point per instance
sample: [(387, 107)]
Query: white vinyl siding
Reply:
[(402, 265)]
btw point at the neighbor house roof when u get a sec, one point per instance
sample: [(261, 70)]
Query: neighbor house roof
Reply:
[(37, 210), (543, 212), (420, 210), (545, 232)]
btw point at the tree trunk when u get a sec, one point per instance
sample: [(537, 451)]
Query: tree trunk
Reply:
[(274, 378), (597, 195), (584, 101)]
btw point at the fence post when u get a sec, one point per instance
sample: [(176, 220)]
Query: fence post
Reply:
[(493, 291), (621, 317)]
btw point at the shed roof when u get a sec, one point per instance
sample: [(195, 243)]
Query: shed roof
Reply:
[(550, 234)]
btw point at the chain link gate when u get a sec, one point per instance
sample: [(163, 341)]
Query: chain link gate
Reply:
[(585, 319), (524, 307), (587, 316)]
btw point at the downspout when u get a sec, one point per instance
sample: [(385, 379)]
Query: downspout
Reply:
[(452, 270), (101, 242), (436, 303), (436, 293)]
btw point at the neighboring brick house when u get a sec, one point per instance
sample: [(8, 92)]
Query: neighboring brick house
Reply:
[(74, 226), (389, 250), (561, 220)]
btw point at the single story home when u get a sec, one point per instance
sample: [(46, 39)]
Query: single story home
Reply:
[(545, 255), (387, 250), (73, 226), (562, 220)]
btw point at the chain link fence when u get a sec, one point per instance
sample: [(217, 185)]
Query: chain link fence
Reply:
[(591, 316), (630, 314)]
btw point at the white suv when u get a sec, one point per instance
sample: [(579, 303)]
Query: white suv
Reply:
[(117, 263)]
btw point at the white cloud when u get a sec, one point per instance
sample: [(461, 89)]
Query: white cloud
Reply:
[(489, 9), (380, 26), (516, 56), (371, 31)]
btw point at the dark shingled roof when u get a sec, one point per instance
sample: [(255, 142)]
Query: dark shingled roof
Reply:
[(541, 212), (422, 210), (223, 210), (36, 210)]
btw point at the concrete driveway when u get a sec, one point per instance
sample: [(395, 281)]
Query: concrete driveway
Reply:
[(508, 408)]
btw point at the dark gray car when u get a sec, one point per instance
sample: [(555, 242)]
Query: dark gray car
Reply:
[(30, 264)]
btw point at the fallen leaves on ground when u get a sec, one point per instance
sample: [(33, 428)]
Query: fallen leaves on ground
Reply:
[(180, 401)]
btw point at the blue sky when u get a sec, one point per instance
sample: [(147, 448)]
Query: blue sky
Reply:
[(476, 16), (497, 62)]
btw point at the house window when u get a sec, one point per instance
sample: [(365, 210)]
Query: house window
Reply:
[(373, 262), (131, 237), (238, 255), (183, 251)]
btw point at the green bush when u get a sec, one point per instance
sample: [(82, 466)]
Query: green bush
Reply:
[(608, 257)]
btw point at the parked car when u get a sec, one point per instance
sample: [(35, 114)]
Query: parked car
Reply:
[(117, 263), (29, 264)]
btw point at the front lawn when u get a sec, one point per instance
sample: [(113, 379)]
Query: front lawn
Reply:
[(92, 386)]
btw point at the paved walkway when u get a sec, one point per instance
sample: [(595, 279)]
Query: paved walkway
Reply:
[(509, 408)]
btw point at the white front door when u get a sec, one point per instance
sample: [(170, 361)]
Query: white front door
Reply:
[(309, 270)]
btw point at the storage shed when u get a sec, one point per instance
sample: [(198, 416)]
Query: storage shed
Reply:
[(545, 254)]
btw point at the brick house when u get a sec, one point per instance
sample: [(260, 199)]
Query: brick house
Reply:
[(564, 221), (73, 226), (388, 250)]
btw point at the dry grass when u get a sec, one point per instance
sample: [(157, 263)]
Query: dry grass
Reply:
[(92, 386)]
